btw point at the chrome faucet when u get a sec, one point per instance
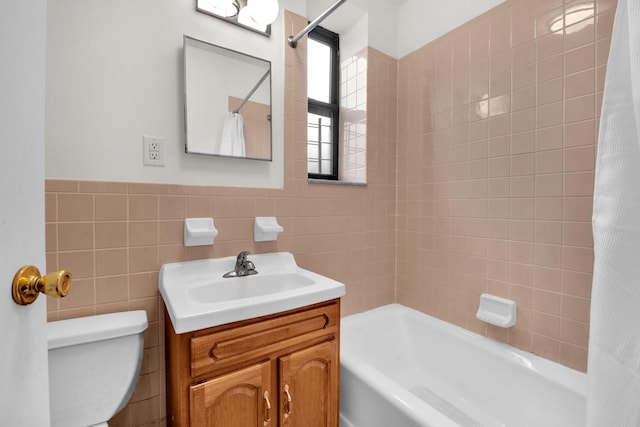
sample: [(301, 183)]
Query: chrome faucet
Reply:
[(243, 267)]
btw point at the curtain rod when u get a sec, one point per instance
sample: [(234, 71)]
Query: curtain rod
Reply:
[(293, 41), (244, 101)]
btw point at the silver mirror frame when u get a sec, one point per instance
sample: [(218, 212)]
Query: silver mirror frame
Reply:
[(259, 81)]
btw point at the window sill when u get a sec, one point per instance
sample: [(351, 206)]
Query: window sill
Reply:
[(336, 182)]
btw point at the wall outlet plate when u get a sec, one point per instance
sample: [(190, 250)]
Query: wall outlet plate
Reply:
[(152, 150)]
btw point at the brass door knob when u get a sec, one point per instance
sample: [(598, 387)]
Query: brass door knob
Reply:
[(27, 284)]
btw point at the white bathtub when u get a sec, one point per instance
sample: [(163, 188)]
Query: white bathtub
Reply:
[(400, 367)]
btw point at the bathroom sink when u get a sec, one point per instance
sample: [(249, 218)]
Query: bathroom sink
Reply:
[(197, 296)]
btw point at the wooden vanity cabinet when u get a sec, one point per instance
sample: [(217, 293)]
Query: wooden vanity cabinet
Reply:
[(277, 370)]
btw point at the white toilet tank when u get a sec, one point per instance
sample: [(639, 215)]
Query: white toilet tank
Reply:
[(94, 363)]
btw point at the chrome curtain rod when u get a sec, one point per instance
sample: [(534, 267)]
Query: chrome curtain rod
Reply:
[(244, 101), (293, 41)]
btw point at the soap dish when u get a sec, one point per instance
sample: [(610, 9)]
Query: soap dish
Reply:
[(199, 231), (266, 229), (497, 311)]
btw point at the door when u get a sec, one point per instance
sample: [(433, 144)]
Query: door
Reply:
[(24, 382), (309, 387), (238, 399)]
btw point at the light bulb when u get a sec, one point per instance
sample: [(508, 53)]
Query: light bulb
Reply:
[(245, 18), (263, 11)]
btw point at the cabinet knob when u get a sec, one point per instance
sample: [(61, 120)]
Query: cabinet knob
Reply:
[(28, 284)]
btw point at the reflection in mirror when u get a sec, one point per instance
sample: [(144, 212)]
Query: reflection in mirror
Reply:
[(227, 102), (256, 15)]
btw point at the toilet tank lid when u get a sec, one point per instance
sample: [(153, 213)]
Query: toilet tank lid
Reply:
[(64, 333)]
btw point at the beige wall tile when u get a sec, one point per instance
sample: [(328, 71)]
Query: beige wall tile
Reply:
[(576, 283), (143, 285), (112, 289), (111, 207), (550, 161), (143, 207), (109, 235), (143, 233), (75, 236), (61, 186), (550, 138), (51, 237), (580, 109), (547, 278), (172, 207), (580, 59), (51, 207), (573, 356), (579, 34), (75, 207), (548, 208), (579, 84), (143, 259), (578, 184), (79, 263), (111, 262)]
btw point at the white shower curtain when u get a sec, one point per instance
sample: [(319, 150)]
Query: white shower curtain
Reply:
[(232, 143), (613, 394)]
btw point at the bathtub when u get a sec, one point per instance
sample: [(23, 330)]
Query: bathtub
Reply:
[(403, 368)]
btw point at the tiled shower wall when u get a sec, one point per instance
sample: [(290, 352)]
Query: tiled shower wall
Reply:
[(353, 117), (115, 236), (496, 151)]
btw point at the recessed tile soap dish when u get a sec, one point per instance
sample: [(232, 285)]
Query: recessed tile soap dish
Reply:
[(497, 311), (266, 229), (199, 231)]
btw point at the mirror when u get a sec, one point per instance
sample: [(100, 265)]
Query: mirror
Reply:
[(227, 102), (237, 12)]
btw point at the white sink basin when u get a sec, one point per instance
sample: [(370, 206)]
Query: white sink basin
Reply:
[(197, 296)]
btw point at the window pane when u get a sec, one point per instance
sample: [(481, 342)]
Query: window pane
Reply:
[(312, 166), (319, 144), (326, 151), (318, 71)]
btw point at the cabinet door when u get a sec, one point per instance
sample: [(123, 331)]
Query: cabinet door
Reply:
[(238, 399), (308, 387)]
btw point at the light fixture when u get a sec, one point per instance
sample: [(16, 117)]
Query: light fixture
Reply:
[(256, 15), (263, 12), (224, 8), (245, 18)]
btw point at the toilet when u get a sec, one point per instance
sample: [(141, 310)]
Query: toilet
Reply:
[(94, 363)]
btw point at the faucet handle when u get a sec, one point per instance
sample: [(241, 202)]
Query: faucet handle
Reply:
[(242, 256)]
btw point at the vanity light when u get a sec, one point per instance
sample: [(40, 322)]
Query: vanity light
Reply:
[(259, 13), (264, 12), (255, 15), (226, 8), (245, 18)]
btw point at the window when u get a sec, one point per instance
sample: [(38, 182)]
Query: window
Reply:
[(323, 100)]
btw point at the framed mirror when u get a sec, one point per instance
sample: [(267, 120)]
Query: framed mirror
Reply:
[(255, 17), (227, 102)]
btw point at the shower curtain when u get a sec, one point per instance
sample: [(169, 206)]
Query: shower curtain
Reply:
[(613, 391), (232, 143)]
